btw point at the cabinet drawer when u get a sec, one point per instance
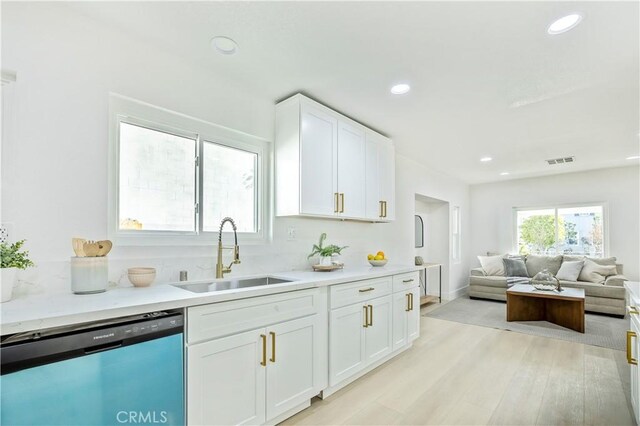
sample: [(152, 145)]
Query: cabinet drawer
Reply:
[(221, 319), (347, 294), (405, 281)]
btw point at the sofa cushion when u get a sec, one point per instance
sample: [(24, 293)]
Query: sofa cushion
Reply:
[(497, 282), (594, 272), (536, 263), (596, 290), (492, 265), (598, 260), (515, 267), (570, 270)]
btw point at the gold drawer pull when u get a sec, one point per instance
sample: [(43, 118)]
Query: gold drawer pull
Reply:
[(364, 290), (273, 346), (630, 359), (366, 320), (264, 350), (408, 281), (633, 310)]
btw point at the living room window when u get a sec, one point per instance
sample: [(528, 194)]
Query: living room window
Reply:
[(575, 230), (173, 178)]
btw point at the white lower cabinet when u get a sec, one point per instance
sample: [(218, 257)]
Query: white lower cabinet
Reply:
[(633, 353), (377, 339), (255, 376), (226, 383), (292, 365), (406, 317)]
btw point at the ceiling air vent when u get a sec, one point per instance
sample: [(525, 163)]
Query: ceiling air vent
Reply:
[(561, 160)]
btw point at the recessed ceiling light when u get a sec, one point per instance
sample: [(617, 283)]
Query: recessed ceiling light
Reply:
[(504, 173), (564, 24), (485, 159), (633, 157), (400, 89), (224, 45)]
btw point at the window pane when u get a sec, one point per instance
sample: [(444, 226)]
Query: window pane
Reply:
[(157, 180), (580, 231), (229, 187), (537, 231)]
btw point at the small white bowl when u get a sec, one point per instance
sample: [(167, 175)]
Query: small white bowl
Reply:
[(141, 277), (378, 262)]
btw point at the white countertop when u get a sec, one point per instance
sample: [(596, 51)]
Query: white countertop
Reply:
[(633, 289), (37, 312)]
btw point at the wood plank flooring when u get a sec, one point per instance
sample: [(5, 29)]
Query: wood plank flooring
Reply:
[(460, 374)]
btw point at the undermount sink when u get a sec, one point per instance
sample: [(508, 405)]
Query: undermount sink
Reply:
[(230, 284)]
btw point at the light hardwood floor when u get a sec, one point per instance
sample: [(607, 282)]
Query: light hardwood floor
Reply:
[(459, 374)]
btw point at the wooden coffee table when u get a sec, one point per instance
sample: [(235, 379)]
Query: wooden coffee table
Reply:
[(525, 303)]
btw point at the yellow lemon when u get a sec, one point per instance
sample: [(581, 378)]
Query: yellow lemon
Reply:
[(370, 257), (378, 257), (380, 253)]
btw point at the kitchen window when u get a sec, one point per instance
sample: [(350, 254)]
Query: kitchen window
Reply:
[(174, 178), (571, 230)]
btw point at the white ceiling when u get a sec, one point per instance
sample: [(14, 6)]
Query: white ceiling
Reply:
[(486, 78)]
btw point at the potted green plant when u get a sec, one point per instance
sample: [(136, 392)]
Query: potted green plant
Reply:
[(12, 259), (325, 253)]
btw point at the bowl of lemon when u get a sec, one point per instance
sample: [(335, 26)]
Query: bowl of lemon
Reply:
[(377, 259)]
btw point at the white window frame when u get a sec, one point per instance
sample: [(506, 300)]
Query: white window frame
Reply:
[(124, 109), (555, 208)]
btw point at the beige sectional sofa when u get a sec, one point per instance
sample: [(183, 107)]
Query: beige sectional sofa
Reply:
[(607, 297)]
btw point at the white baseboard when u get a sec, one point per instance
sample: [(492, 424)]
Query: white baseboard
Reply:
[(458, 293)]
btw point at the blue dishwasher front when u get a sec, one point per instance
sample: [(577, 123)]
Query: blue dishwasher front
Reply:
[(129, 371)]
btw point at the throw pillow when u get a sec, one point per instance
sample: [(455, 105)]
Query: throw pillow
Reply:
[(492, 265), (570, 271), (515, 267), (598, 260), (536, 263), (595, 273)]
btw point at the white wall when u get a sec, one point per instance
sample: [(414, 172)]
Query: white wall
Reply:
[(54, 156), (492, 209)]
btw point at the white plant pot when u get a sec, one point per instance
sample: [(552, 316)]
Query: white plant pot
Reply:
[(8, 280), (325, 261)]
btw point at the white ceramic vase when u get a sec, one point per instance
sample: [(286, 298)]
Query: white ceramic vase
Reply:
[(325, 261), (8, 280)]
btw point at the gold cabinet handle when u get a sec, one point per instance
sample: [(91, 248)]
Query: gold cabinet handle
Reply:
[(370, 322), (264, 350), (408, 281), (364, 290), (411, 301), (630, 359), (381, 208), (384, 203), (633, 310), (408, 302), (366, 322), (273, 346), (336, 202), (342, 202)]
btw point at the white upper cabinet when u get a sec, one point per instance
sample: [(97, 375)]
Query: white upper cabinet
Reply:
[(380, 178), (351, 171), (323, 166), (318, 158)]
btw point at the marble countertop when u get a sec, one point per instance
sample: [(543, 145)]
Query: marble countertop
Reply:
[(37, 312)]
